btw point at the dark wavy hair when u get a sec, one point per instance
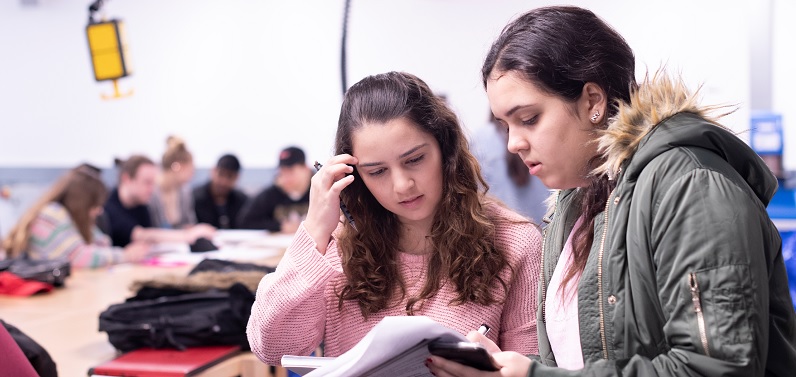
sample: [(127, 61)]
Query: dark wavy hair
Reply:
[(463, 231), (559, 50)]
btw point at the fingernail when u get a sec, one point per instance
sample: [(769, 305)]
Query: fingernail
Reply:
[(429, 361)]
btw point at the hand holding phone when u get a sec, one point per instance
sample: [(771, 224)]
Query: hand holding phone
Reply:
[(467, 353)]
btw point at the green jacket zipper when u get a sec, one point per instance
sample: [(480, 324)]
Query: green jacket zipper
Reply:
[(542, 280), (600, 280)]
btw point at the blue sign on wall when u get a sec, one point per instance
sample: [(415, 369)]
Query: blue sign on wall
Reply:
[(766, 133), (789, 255)]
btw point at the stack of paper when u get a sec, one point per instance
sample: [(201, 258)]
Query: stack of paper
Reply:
[(396, 347)]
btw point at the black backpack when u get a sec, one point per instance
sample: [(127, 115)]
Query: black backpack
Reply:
[(188, 320)]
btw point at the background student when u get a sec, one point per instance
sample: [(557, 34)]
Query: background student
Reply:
[(426, 240), (127, 217), (282, 206), (660, 259), (506, 174), (218, 202), (61, 224), (172, 205)]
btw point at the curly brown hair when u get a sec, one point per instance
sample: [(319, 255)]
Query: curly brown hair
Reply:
[(463, 232)]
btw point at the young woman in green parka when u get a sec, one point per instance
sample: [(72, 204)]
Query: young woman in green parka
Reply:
[(659, 256)]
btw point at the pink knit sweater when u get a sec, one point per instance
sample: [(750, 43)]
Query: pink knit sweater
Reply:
[(296, 306)]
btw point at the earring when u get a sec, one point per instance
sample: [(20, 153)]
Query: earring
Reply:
[(595, 116)]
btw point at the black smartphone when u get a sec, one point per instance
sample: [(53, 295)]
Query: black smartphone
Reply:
[(467, 353)]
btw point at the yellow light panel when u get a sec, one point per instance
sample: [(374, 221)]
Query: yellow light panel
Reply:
[(108, 50)]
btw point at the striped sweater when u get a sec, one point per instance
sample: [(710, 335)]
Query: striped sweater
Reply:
[(53, 235), (296, 306)]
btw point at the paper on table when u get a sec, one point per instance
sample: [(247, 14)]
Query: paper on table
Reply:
[(273, 240), (169, 248), (389, 338), (244, 253), (251, 239), (227, 253), (233, 236)]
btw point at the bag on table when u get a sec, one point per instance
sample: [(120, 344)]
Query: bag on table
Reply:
[(188, 320), (54, 271)]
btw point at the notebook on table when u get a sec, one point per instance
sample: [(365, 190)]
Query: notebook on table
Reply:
[(148, 362)]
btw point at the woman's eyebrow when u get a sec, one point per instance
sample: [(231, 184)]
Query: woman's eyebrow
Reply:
[(405, 154)]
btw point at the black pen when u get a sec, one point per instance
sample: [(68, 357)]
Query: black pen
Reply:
[(343, 208)]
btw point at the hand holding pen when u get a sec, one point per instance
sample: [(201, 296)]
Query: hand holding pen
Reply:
[(323, 215), (484, 329), (343, 208), (479, 336)]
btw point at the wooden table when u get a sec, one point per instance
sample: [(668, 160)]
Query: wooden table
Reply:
[(66, 321)]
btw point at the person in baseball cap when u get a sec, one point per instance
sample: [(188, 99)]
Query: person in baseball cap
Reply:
[(282, 206), (291, 156)]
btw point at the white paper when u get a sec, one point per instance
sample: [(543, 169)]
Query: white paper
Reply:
[(389, 338), (169, 248), (251, 239), (302, 365), (235, 245), (234, 236)]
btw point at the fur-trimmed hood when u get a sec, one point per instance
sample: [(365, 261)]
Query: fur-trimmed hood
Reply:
[(202, 281), (663, 106)]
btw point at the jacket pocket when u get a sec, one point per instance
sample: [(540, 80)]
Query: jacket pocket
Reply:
[(721, 306)]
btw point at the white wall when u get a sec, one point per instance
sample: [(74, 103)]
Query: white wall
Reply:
[(253, 76), (784, 68)]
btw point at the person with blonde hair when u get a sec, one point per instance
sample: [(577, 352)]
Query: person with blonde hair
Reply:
[(172, 202), (424, 241), (61, 224)]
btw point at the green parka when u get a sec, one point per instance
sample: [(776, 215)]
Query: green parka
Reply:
[(685, 276)]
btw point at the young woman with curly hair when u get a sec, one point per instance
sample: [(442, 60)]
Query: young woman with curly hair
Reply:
[(427, 241)]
